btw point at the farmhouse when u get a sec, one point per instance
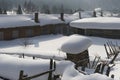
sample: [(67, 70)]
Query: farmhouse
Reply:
[(20, 26), (99, 26)]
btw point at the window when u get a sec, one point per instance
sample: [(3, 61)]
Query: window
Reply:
[(29, 32), (15, 34), (1, 35)]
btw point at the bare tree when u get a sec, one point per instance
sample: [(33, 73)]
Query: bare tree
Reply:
[(30, 7), (45, 9), (0, 11)]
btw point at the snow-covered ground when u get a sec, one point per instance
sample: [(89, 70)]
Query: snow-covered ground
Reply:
[(10, 67), (48, 46), (42, 46)]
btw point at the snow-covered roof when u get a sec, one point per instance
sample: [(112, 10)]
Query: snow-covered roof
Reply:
[(76, 44), (7, 21), (46, 19), (97, 23), (55, 18)]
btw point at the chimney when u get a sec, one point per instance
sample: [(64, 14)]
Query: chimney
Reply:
[(36, 18), (101, 13), (94, 14), (62, 16), (80, 17)]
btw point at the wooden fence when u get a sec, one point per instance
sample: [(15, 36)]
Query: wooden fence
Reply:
[(50, 71), (112, 51)]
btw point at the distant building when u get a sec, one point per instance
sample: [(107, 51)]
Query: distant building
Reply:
[(100, 26), (21, 26)]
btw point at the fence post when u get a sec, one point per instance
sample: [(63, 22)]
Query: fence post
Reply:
[(102, 69), (106, 51), (51, 66), (21, 75), (93, 62), (108, 71), (54, 65), (97, 70)]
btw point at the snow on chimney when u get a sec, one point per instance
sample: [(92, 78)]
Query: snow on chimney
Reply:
[(62, 16), (36, 18)]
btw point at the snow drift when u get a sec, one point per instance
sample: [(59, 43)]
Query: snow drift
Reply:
[(10, 67), (86, 77), (72, 74)]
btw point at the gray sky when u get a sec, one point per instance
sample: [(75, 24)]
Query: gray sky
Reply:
[(84, 4)]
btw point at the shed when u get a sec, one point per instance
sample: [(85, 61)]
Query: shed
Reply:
[(76, 48), (99, 26), (21, 26)]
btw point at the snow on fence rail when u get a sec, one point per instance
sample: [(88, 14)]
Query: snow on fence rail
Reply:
[(52, 69), (25, 77)]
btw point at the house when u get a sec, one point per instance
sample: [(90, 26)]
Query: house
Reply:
[(20, 26), (99, 26), (16, 26), (76, 48)]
